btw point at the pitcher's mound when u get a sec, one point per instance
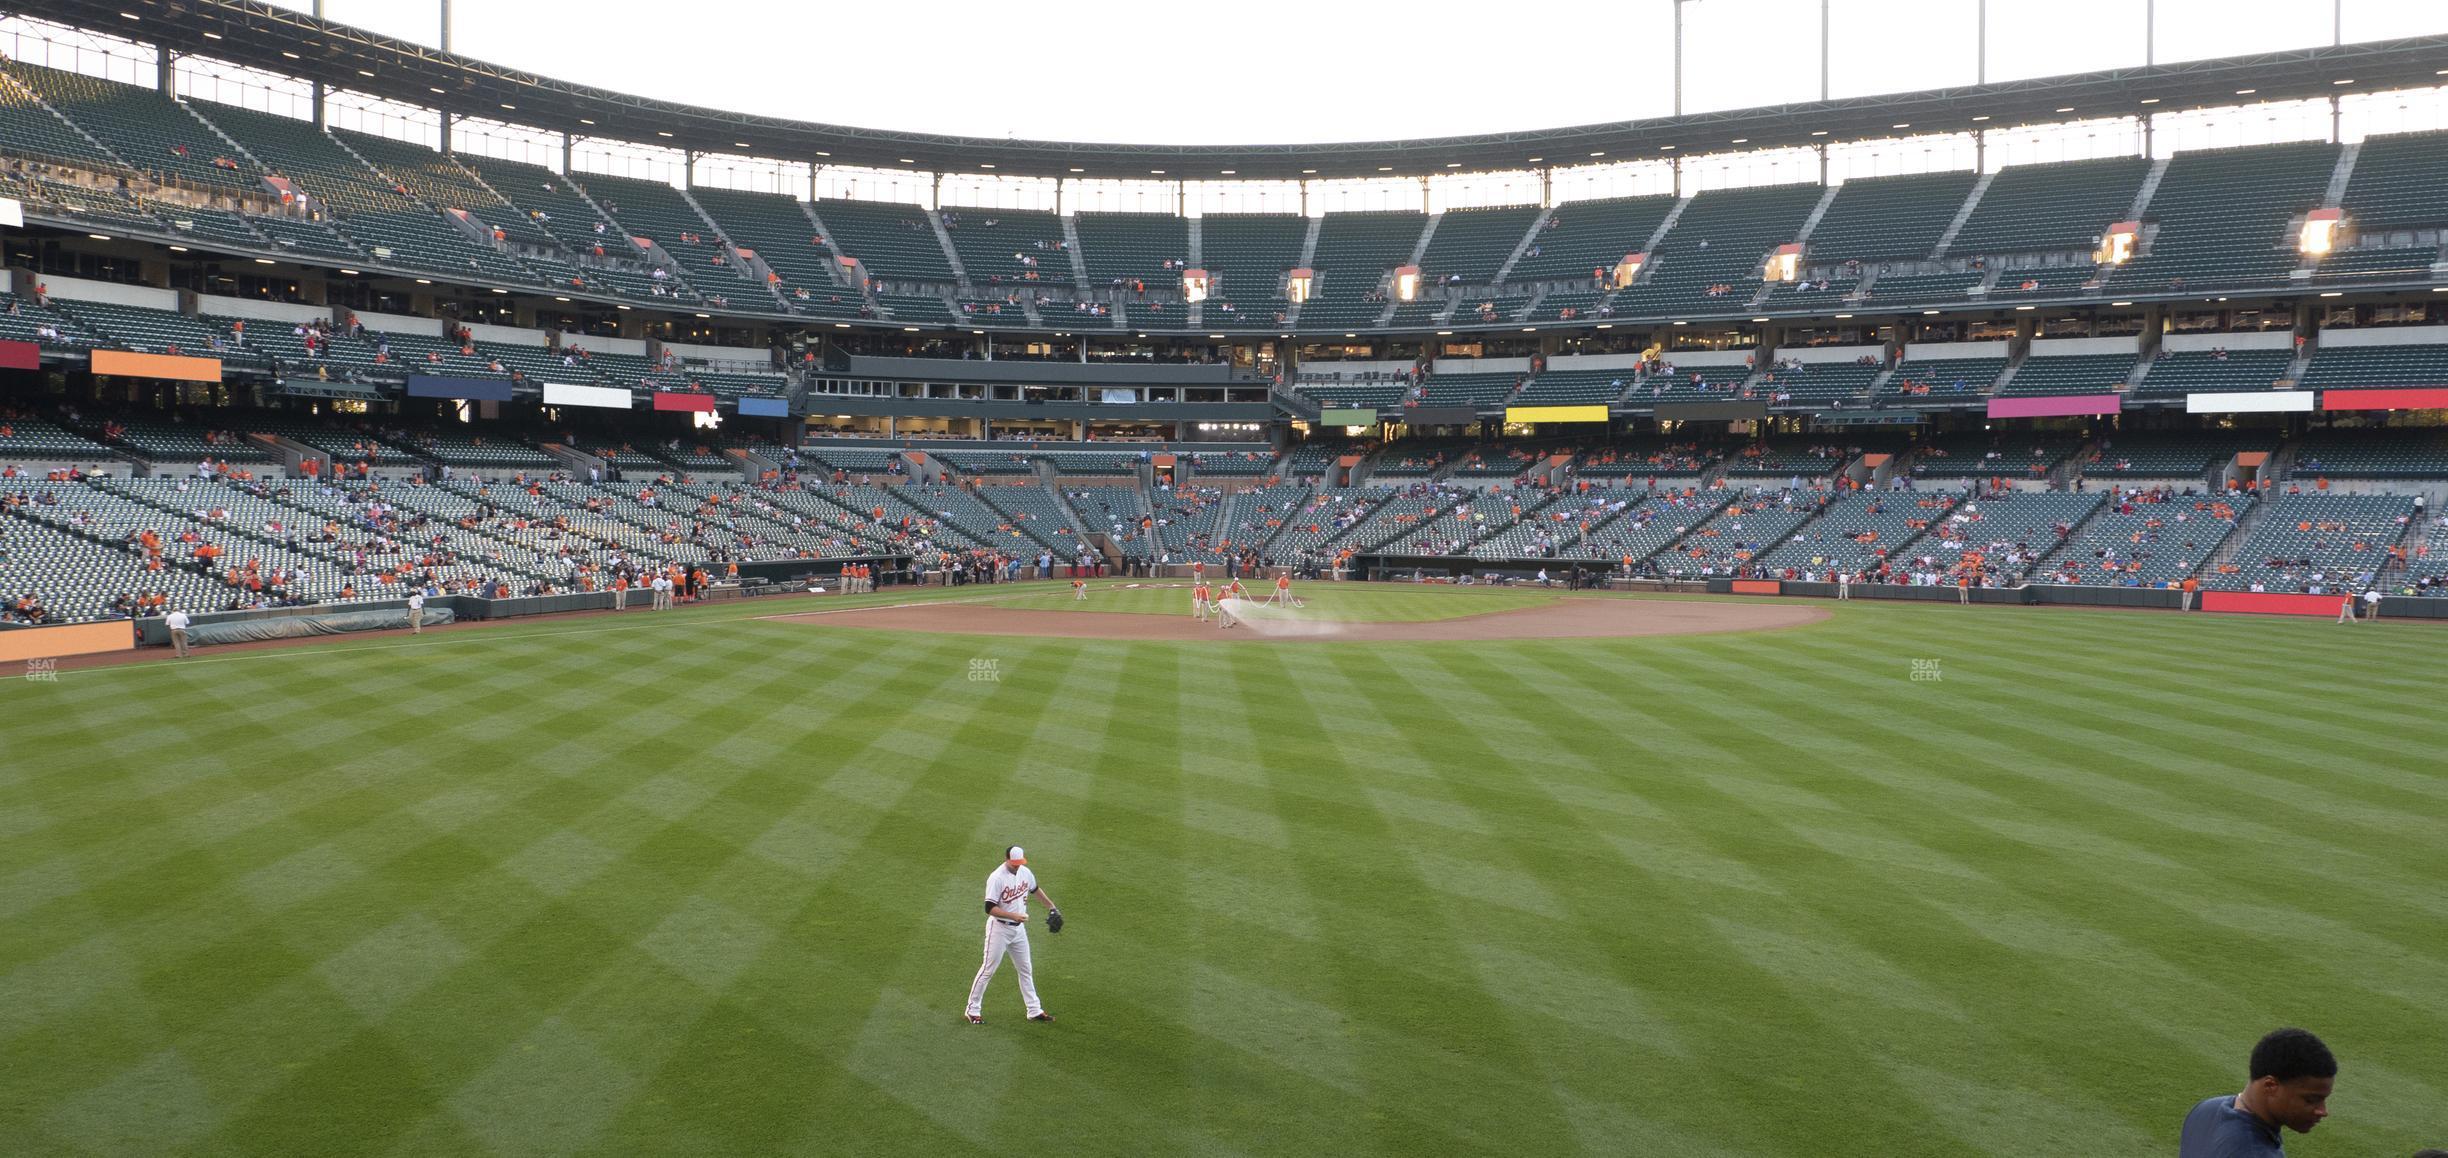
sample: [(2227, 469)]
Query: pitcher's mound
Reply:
[(1567, 618)]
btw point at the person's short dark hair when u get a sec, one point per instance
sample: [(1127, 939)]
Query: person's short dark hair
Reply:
[(2288, 1054)]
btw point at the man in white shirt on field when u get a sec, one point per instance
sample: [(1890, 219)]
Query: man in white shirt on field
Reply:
[(1008, 889), (177, 622), (416, 613)]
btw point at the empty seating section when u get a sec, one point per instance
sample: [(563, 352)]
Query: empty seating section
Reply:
[(1942, 379), (1415, 458), (1454, 524), (1818, 383), (438, 181), (781, 235), (2317, 543), (379, 217), (1002, 246), (1883, 218), (2214, 370), (1646, 458), (1324, 517), (981, 462), (339, 444), (1575, 387), (1468, 389), (149, 331), (1254, 516), (1712, 257), (1038, 514), (1420, 314), (2070, 374), (1246, 256), (2400, 182), (2171, 455), (1472, 243), (2045, 208), (2222, 217), (1894, 289), (889, 240), (551, 202), (176, 449), (1557, 306), (1995, 540), (1501, 460), (89, 207), (27, 129), (1822, 293), (1127, 246), (1808, 461), (2417, 453), (1090, 463), (485, 452), (1220, 462), (1583, 236), (2044, 283), (25, 440), (1352, 394), (1117, 512), (916, 309), (2377, 367), (1749, 525), (24, 321), (1636, 524), (660, 213), (2149, 540), (1979, 455), (2378, 263), (143, 128), (1694, 383), (1859, 532), (1191, 523), (1354, 253)]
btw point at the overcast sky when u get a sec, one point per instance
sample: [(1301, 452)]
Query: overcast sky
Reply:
[(1320, 70)]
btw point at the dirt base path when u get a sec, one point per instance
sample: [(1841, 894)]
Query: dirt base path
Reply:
[(1567, 618)]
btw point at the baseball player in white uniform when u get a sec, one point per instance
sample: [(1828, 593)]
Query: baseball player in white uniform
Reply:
[(1008, 889)]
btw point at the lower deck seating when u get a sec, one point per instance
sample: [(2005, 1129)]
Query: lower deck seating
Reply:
[(2150, 539)]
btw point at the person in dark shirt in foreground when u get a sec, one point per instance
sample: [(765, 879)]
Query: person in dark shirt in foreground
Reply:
[(2292, 1074)]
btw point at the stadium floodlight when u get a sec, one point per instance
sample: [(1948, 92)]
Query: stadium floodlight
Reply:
[(1928, 313), (1406, 282), (2320, 231), (2116, 246), (268, 261), (1785, 264), (2333, 293), (173, 249)]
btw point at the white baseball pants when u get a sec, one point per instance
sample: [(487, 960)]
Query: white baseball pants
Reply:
[(1004, 939)]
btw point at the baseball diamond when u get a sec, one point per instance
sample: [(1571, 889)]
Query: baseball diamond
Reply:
[(1880, 602), (705, 882)]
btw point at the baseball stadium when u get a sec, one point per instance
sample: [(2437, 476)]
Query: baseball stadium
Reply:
[(1881, 591)]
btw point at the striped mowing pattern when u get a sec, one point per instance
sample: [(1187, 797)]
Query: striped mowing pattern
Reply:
[(701, 883)]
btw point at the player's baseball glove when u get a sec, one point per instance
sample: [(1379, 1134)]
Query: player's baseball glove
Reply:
[(1054, 921)]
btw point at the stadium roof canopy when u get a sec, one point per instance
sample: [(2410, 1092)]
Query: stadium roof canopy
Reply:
[(255, 34)]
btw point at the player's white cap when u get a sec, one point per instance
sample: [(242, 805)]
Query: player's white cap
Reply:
[(1015, 855)]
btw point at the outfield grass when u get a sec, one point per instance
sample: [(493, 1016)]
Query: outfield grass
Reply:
[(697, 883), (1333, 602)]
